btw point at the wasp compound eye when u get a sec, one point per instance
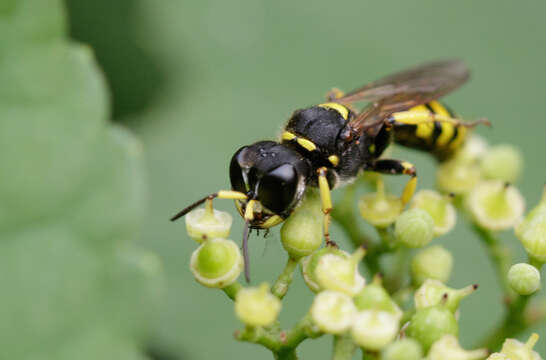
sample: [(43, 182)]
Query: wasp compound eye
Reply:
[(238, 182), (278, 187)]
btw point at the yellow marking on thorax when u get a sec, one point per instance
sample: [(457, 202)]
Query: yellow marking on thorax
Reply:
[(287, 135), (306, 144), (334, 159), (371, 148), (342, 110)]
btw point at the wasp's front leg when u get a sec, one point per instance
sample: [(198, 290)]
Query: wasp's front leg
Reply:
[(326, 200)]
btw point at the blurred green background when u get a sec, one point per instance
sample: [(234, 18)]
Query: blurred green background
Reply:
[(195, 80)]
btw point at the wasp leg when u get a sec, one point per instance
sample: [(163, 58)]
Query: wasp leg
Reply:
[(334, 94), (427, 117), (326, 201), (397, 167)]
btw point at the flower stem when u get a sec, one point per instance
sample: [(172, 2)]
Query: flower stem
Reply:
[(280, 287), (344, 347), (232, 290)]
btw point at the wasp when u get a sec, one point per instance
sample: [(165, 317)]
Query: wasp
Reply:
[(329, 144)]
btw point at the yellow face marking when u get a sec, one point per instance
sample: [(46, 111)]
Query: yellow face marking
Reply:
[(231, 194), (306, 144), (447, 133), (249, 211), (287, 135), (334, 159), (272, 221), (342, 110)]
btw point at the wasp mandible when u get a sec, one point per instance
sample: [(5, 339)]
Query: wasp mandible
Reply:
[(329, 144)]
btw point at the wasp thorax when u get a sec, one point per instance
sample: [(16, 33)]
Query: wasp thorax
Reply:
[(272, 176)]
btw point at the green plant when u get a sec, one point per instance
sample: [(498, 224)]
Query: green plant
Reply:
[(373, 316)]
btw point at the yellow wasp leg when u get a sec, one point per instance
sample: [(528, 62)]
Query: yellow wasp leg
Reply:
[(397, 167), (326, 201), (427, 117)]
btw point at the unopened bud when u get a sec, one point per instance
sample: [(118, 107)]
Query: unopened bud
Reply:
[(438, 207), (431, 324), (502, 162), (333, 312), (380, 209), (403, 349), (457, 177), (414, 228), (216, 263), (524, 279), (532, 234), (495, 206), (497, 356), (208, 223), (473, 149), (433, 292), (373, 329), (301, 233), (340, 272), (375, 297), (434, 262), (448, 348), (516, 350), (257, 306)]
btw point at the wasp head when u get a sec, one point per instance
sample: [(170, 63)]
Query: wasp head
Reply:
[(273, 177)]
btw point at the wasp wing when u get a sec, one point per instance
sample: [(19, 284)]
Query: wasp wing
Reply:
[(403, 90)]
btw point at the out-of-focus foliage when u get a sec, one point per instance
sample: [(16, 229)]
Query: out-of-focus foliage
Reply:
[(72, 195)]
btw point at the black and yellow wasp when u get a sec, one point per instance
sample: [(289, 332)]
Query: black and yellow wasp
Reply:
[(329, 144)]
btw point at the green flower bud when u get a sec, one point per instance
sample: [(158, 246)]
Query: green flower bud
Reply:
[(208, 223), (301, 233), (524, 279), (516, 350), (217, 263), (340, 272), (448, 348), (434, 262), (404, 349), (375, 297), (333, 312), (438, 207), (380, 209), (433, 292), (497, 356), (495, 206), (257, 306), (373, 329), (532, 234), (457, 176), (473, 149), (414, 228), (430, 324), (502, 162)]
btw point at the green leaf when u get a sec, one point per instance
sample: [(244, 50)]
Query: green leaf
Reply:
[(72, 196)]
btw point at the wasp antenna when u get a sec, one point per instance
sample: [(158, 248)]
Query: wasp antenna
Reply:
[(245, 251), (193, 206)]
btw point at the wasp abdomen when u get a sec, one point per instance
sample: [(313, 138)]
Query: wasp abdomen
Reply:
[(441, 138)]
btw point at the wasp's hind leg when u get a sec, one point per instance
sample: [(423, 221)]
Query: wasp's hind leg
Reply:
[(397, 167), (326, 201)]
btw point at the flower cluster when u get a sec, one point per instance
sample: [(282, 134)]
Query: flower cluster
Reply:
[(390, 316)]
